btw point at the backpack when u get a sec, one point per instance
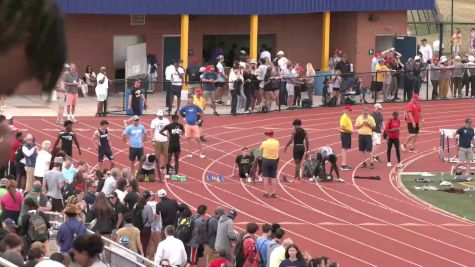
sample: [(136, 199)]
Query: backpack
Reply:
[(68, 190), (184, 229), (73, 231), (37, 230), (19, 154), (137, 218), (241, 260), (202, 233)]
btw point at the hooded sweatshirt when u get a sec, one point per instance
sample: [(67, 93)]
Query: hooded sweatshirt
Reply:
[(225, 234)]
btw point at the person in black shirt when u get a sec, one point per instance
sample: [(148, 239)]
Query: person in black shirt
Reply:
[(132, 196), (193, 76), (167, 209), (244, 163), (102, 143), (175, 130), (465, 148), (301, 145), (67, 137), (136, 94)]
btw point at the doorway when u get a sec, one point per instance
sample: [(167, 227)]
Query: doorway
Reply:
[(230, 45), (171, 51)]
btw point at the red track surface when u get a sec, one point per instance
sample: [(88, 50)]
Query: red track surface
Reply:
[(358, 223)]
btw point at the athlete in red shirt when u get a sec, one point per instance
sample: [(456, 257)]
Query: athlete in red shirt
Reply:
[(392, 129), (413, 118)]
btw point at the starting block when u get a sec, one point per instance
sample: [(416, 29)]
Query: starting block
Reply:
[(181, 178), (215, 177)]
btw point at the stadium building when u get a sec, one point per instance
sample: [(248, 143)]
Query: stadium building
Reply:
[(98, 31)]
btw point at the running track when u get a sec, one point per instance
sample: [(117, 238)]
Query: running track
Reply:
[(358, 223)]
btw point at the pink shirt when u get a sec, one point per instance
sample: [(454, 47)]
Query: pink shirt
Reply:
[(12, 205)]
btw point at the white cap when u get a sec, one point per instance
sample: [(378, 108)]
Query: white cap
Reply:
[(66, 66), (8, 116), (417, 58), (280, 53), (443, 59), (377, 105), (458, 58), (160, 112), (202, 69), (253, 61), (162, 193), (471, 59)]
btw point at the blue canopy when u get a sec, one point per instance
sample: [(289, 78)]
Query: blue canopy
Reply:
[(236, 7)]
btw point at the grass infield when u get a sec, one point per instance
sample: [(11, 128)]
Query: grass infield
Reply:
[(462, 205)]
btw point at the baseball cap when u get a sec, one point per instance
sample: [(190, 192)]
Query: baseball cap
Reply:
[(232, 214), (417, 58), (199, 91), (467, 120), (348, 108), (10, 222), (220, 57), (135, 118), (443, 59), (3, 182), (253, 61), (415, 96), (160, 112), (280, 52), (377, 105), (36, 186), (146, 194), (269, 133), (162, 193)]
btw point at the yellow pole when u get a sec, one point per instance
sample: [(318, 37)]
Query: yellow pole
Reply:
[(253, 37), (325, 41), (185, 26)]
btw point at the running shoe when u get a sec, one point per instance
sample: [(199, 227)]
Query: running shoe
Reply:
[(389, 164), (249, 180), (216, 113), (413, 150), (345, 168), (202, 139), (167, 176), (400, 165), (189, 155), (340, 180), (202, 156), (371, 165), (260, 179), (311, 179), (376, 159), (364, 165), (273, 195), (266, 195), (403, 147)]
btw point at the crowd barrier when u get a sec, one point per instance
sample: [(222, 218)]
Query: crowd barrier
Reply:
[(155, 92)]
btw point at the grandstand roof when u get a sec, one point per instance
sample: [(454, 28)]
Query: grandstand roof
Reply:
[(236, 7)]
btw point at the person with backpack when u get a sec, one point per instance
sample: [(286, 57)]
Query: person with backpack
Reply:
[(143, 217), (225, 234), (132, 233), (34, 224), (246, 253), (38, 197), (263, 241), (167, 209), (70, 229), (211, 229), (194, 247)]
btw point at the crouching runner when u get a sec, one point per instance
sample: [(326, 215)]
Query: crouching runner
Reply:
[(326, 154)]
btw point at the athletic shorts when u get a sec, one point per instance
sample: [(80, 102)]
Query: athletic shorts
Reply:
[(376, 138), (411, 129), (61, 98), (72, 99), (290, 89), (345, 140), (160, 148), (465, 154), (56, 204), (219, 84), (192, 131), (174, 148), (269, 168), (365, 143), (135, 153), (105, 152), (211, 95), (299, 151), (175, 90)]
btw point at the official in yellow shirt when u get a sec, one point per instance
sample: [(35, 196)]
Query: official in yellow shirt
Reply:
[(365, 125), (200, 101), (346, 129), (270, 159), (381, 72)]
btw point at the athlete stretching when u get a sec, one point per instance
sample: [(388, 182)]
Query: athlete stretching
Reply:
[(101, 141), (301, 145)]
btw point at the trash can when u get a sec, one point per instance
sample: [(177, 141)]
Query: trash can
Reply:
[(318, 83), (126, 101)]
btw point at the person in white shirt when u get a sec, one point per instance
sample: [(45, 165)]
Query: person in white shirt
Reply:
[(426, 52), (110, 182), (168, 80), (278, 254), (160, 141), (101, 91), (281, 60), (171, 249), (221, 82), (43, 160), (177, 75)]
